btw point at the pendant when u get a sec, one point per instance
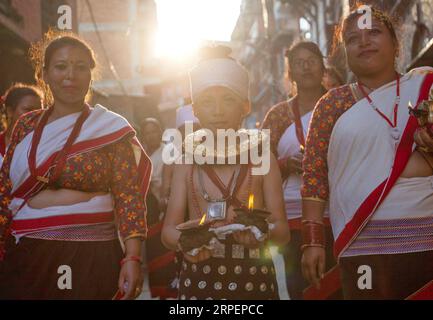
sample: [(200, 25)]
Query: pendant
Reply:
[(216, 210), (395, 133)]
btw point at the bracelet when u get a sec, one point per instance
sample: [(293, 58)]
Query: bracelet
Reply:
[(313, 234), (131, 258), (313, 222), (305, 246)]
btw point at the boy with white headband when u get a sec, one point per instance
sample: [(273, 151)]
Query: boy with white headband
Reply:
[(238, 264)]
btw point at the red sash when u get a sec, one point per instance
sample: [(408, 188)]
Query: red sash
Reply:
[(329, 285), (2, 144), (425, 293), (31, 186), (299, 128), (231, 198)]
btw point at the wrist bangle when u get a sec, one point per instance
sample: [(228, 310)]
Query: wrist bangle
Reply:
[(313, 234), (305, 246), (131, 258), (312, 222)]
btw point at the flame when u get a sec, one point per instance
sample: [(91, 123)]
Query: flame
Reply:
[(202, 220), (251, 202)]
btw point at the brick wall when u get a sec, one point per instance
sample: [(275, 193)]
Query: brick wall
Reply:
[(30, 10)]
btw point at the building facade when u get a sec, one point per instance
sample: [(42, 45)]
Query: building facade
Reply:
[(264, 31), (21, 23), (413, 20), (121, 32)]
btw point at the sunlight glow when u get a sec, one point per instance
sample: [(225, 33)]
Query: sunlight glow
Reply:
[(184, 24)]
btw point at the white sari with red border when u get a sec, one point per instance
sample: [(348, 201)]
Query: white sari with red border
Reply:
[(365, 160), (101, 128)]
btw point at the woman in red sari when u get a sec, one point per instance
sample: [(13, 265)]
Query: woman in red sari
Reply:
[(74, 179)]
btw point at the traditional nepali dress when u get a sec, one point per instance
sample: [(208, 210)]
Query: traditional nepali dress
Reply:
[(234, 272), (285, 144), (354, 159), (105, 158)]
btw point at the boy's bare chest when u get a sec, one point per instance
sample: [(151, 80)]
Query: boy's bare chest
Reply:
[(204, 193)]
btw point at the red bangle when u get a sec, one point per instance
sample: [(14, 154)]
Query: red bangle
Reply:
[(131, 258), (313, 234)]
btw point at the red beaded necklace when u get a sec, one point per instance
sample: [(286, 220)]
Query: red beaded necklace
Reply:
[(393, 124), (60, 159)]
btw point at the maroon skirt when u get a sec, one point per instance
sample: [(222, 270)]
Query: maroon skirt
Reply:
[(393, 276), (43, 269)]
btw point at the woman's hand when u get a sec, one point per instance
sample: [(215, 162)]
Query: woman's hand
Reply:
[(423, 139), (130, 280), (203, 254), (313, 265), (246, 238)]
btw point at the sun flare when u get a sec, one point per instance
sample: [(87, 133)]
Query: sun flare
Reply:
[(184, 25)]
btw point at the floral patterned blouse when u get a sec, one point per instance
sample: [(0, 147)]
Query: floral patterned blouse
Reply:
[(326, 113), (111, 168)]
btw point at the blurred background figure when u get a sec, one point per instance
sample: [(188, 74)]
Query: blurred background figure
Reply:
[(19, 99), (151, 137), (184, 115), (289, 122), (163, 264), (160, 261)]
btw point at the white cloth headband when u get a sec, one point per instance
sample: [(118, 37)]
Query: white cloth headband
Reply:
[(219, 72)]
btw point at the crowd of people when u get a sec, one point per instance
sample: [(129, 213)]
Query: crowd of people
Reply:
[(349, 184)]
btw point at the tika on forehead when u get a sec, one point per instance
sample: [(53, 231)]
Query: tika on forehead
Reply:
[(224, 72)]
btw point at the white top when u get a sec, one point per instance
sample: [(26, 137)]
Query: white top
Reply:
[(289, 146)]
